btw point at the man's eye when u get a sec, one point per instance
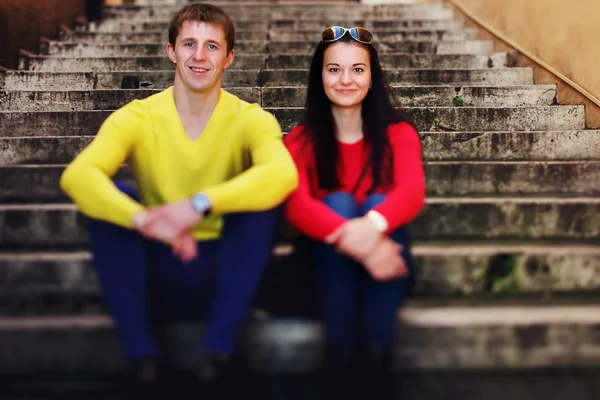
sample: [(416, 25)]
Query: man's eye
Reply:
[(212, 47), (189, 44)]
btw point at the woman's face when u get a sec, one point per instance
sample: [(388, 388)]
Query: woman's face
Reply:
[(346, 74)]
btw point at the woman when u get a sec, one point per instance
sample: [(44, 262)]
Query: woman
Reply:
[(361, 181)]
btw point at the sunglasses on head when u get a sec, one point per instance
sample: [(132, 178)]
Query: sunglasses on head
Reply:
[(334, 33)]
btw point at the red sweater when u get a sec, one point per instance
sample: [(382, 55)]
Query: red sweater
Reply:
[(404, 198)]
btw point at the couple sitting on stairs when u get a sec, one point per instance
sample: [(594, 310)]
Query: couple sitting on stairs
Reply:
[(213, 171)]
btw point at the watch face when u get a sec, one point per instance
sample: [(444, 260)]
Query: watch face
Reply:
[(200, 203)]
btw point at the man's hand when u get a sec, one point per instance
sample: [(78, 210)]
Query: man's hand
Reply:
[(385, 262), (185, 246), (171, 224), (356, 238), (169, 221)]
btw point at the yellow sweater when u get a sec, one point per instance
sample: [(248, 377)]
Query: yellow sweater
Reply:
[(239, 161)]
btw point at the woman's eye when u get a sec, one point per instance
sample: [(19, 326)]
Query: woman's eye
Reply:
[(358, 70), (334, 70)]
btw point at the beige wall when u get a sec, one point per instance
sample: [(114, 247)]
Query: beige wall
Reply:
[(563, 34)]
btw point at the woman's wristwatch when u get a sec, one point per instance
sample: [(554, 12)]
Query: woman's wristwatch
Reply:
[(378, 220)]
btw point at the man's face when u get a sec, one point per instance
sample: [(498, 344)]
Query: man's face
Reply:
[(200, 56)]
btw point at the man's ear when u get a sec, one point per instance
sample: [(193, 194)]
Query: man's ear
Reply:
[(229, 59), (171, 53)]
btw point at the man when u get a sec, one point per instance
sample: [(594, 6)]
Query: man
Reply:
[(197, 239)]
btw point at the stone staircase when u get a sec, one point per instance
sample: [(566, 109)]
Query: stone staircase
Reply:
[(507, 246)]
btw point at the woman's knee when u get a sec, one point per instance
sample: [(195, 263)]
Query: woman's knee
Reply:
[(371, 202), (342, 203)]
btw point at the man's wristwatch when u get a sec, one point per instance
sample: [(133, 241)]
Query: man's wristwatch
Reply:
[(200, 203)]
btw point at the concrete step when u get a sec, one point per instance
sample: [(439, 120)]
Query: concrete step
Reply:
[(26, 124), (66, 49), (434, 96), (240, 8), (53, 283), (513, 96), (156, 6), (474, 118), (285, 10), (382, 35), (437, 146), (395, 61), (434, 337), (293, 24), (45, 63), (35, 183), (69, 35), (315, 11), (306, 13), (273, 35), (481, 178), (518, 146), (31, 62), (60, 226), (438, 68)]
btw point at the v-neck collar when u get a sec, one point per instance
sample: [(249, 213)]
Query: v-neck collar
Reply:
[(181, 132)]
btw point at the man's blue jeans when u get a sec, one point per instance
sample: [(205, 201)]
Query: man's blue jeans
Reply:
[(143, 282)]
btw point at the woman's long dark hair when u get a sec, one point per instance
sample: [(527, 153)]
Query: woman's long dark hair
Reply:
[(378, 112)]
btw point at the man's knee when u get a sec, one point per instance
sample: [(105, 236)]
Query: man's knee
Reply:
[(128, 189), (252, 219)]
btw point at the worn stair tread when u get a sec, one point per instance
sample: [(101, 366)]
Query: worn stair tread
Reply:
[(432, 337), (484, 163), (34, 183), (389, 60), (426, 118), (146, 75), (436, 76), (429, 200), (461, 47), (271, 34), (288, 4), (375, 25), (79, 92), (419, 247), (409, 96), (576, 145), (284, 26), (492, 272), (419, 316), (62, 226)]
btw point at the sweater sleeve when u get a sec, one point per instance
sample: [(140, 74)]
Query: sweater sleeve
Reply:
[(407, 197), (305, 212), (87, 179), (271, 177)]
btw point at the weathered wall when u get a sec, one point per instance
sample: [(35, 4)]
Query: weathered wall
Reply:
[(23, 22), (560, 33)]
